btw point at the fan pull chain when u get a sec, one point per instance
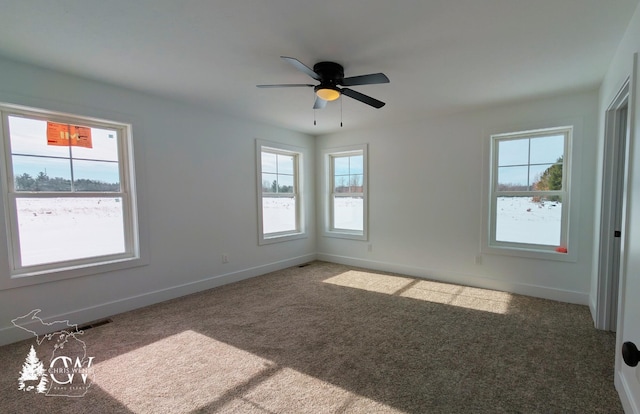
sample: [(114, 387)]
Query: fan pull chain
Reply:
[(314, 110), (340, 111)]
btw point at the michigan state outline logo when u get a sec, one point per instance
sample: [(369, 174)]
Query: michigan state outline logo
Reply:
[(66, 370)]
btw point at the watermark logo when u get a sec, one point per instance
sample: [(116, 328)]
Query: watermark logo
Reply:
[(66, 370), (33, 376)]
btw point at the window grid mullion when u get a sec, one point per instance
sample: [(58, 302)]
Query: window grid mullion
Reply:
[(529, 163)]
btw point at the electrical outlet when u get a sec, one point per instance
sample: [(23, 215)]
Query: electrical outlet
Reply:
[(370, 248), (225, 258), (478, 259)]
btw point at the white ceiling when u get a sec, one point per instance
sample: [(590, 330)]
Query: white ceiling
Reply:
[(440, 55)]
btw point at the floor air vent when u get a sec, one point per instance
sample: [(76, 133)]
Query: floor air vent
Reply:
[(304, 265), (94, 324)]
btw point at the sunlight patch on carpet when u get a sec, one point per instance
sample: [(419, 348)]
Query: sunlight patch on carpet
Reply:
[(436, 292), (189, 371), (369, 281), (290, 391), (177, 374), (460, 296)]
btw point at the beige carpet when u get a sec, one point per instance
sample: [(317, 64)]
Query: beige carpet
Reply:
[(327, 338)]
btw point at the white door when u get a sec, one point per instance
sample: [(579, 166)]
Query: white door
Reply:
[(627, 379)]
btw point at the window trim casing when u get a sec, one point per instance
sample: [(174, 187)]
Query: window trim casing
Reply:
[(569, 212), (328, 229), (298, 183), (135, 245)]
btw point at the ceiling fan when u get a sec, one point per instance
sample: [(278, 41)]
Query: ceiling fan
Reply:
[(331, 75)]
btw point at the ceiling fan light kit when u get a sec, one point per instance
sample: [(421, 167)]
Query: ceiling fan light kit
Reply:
[(327, 93), (331, 76)]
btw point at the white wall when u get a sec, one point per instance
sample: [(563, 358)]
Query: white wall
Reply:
[(628, 322), (426, 198), (617, 74), (196, 172)]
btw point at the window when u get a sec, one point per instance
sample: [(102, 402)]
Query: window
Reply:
[(347, 187), (279, 212), (68, 191), (530, 190)]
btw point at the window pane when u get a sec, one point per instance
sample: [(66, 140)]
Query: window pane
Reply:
[(547, 150), (285, 164), (285, 183), (355, 183), (348, 213), (269, 162), (278, 214), (529, 220), (41, 174), (104, 146), (29, 136), (356, 164), (96, 176), (269, 183), (341, 165), (546, 177), (341, 184), (550, 178), (513, 178), (513, 152), (58, 229)]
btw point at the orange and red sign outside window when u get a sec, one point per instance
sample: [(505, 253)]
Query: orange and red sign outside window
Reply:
[(65, 135)]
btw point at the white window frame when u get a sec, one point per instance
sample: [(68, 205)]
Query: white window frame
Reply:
[(525, 249), (300, 227), (329, 229), (33, 274)]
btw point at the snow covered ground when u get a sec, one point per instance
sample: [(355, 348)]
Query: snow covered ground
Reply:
[(278, 214), (64, 229), (348, 213), (521, 220)]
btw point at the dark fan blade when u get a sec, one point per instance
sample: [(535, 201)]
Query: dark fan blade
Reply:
[(301, 67), (319, 103), (286, 85), (362, 98), (365, 79)]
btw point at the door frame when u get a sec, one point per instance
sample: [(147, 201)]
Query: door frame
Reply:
[(626, 394), (614, 181)]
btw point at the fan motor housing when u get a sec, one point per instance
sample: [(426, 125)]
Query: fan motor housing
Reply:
[(329, 72)]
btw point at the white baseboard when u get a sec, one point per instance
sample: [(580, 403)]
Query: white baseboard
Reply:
[(13, 334), (544, 292), (628, 404)]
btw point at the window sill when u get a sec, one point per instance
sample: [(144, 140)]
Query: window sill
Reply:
[(281, 238), (346, 235), (531, 253), (53, 275)]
